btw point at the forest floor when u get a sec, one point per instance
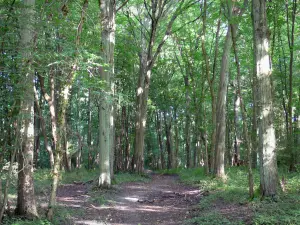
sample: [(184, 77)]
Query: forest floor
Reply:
[(160, 200), (164, 198)]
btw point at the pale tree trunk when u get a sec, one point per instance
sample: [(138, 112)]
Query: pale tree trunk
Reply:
[(219, 170), (26, 205), (222, 93), (267, 139), (236, 154), (207, 74), (106, 113)]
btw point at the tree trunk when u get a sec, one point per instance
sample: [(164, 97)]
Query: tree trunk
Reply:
[(291, 37), (236, 154), (176, 139), (169, 145), (159, 138), (267, 139), (26, 205), (37, 141), (219, 170), (106, 114), (44, 132), (187, 121), (254, 120), (89, 134), (141, 113)]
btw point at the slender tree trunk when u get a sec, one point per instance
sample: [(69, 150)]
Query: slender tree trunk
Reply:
[(210, 80), (291, 37), (236, 153), (106, 113), (254, 121), (168, 125), (187, 121), (219, 170), (9, 174), (159, 138), (127, 141), (44, 132), (89, 134), (176, 139), (26, 205), (267, 139), (141, 113), (37, 141)]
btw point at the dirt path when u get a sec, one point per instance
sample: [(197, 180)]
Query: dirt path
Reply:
[(163, 200)]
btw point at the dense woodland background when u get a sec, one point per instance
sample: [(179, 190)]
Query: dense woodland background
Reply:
[(160, 84)]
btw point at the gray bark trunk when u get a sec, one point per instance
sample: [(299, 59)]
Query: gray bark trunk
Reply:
[(26, 205), (106, 114), (267, 139), (219, 170)]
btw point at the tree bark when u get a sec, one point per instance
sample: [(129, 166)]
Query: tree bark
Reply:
[(169, 143), (267, 139), (159, 138), (219, 170), (106, 114), (291, 38), (44, 132), (26, 205)]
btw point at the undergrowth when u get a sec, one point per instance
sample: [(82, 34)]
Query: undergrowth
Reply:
[(63, 215), (228, 202)]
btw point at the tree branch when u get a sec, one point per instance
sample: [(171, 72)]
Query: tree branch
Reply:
[(121, 6)]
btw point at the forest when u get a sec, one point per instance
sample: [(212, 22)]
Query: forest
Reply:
[(149, 112)]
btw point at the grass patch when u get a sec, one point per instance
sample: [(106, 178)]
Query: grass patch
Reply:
[(234, 193), (212, 218)]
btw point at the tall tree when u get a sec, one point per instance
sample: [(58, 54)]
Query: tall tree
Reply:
[(156, 11), (267, 140), (291, 42), (106, 112), (219, 169), (233, 12), (26, 205)]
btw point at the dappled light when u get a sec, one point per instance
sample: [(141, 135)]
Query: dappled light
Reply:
[(149, 112)]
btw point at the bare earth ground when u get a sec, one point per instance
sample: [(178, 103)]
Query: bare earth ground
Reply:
[(163, 200)]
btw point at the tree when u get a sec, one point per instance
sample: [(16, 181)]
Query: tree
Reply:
[(267, 140), (106, 114), (26, 205), (148, 55)]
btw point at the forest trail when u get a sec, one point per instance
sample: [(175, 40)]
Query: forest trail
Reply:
[(162, 200)]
